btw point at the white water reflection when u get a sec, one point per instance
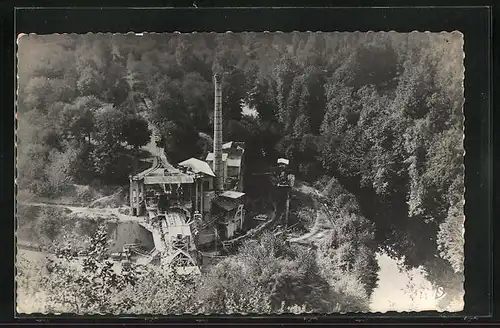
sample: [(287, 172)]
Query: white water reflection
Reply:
[(400, 289)]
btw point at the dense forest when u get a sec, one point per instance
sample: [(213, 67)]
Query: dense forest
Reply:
[(374, 117)]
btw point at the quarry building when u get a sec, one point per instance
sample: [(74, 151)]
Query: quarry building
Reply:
[(191, 205)]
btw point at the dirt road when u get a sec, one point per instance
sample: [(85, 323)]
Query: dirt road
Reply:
[(322, 223), (89, 212)]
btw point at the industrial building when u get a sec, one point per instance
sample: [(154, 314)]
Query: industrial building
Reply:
[(191, 205), (232, 162)]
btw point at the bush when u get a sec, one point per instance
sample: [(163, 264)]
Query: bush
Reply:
[(48, 226), (347, 253), (160, 290), (58, 172), (349, 265), (266, 276), (451, 240), (228, 288), (84, 194), (304, 216), (340, 198), (117, 198)]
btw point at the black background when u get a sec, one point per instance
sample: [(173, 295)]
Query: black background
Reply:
[(475, 23)]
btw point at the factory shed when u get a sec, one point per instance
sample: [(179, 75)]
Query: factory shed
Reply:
[(182, 262), (232, 161), (203, 186), (229, 210), (198, 166), (226, 204), (168, 179), (161, 177), (232, 194), (195, 203)]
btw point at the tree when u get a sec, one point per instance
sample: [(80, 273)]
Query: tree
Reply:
[(285, 72), (262, 97), (234, 86), (42, 91), (348, 260), (382, 140), (314, 97), (77, 119), (347, 253), (381, 112), (265, 275), (136, 131), (450, 238), (160, 290), (198, 97), (92, 288), (59, 171)]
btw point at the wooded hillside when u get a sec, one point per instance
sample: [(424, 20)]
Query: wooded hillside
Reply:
[(381, 113)]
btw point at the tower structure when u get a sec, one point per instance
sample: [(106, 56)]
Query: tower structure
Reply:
[(218, 165)]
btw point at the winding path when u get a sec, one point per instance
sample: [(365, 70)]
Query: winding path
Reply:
[(323, 221)]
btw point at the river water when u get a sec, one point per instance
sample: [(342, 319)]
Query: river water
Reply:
[(400, 289)]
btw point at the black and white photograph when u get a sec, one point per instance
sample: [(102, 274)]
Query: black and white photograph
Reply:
[(240, 173)]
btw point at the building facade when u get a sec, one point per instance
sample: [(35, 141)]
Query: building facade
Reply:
[(233, 169), (194, 203)]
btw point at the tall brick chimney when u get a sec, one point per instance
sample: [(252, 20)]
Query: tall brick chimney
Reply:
[(218, 165)]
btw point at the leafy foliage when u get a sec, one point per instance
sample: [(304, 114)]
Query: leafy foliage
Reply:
[(347, 253), (381, 112), (450, 239), (92, 284), (53, 228), (266, 276), (89, 284)]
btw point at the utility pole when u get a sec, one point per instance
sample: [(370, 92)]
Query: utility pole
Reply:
[(216, 239), (287, 207), (291, 182)]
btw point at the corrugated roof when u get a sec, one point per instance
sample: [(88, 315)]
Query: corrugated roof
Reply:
[(192, 268), (149, 170), (210, 157), (175, 219), (160, 164), (169, 179), (198, 166), (232, 194), (226, 204)]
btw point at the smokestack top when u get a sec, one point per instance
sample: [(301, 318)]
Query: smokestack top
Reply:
[(217, 77)]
